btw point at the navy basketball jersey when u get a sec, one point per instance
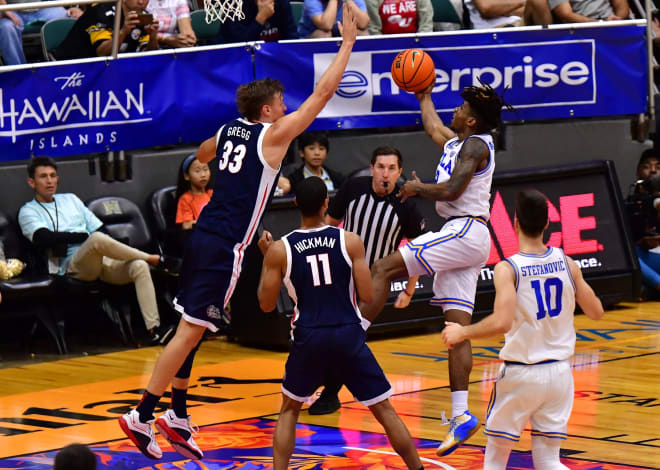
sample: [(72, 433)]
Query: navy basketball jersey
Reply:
[(319, 277), (244, 183)]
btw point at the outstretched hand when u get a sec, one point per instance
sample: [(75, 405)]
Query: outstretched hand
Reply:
[(409, 188), (453, 334), (348, 25)]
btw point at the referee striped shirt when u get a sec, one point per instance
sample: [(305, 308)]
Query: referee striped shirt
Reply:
[(380, 221)]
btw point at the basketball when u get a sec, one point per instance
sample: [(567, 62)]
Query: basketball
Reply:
[(413, 70)]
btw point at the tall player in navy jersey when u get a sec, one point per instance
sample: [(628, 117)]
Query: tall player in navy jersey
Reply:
[(249, 153), (324, 270), (535, 294)]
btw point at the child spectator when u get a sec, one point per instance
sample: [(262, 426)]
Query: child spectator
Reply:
[(191, 191), (313, 148), (174, 26)]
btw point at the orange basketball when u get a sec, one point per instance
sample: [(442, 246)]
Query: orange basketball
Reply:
[(413, 70)]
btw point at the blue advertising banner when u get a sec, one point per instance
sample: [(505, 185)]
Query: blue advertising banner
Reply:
[(135, 101), (550, 73)]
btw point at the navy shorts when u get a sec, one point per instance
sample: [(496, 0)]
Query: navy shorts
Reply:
[(339, 352), (208, 277)]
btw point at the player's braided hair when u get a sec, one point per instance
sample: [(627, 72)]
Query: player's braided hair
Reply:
[(486, 104)]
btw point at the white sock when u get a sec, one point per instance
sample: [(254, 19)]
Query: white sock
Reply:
[(459, 403), (545, 454), (497, 453)]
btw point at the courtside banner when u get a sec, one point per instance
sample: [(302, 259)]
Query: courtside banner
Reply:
[(551, 73), (136, 101)]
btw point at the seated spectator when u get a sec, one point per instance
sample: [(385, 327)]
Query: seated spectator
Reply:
[(12, 23), (398, 16), (486, 14), (643, 204), (313, 148), (69, 232), (575, 11), (265, 20), (174, 26), (192, 191), (319, 18), (75, 457), (91, 35)]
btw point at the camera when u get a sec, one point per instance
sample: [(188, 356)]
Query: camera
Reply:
[(145, 18), (643, 198)]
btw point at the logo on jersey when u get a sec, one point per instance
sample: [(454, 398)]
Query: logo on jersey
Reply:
[(213, 312)]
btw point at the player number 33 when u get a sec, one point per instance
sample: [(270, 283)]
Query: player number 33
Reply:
[(232, 157)]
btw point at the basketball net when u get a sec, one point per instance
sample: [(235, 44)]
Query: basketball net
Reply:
[(221, 10)]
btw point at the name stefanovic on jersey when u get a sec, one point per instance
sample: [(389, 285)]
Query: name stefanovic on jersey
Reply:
[(541, 269)]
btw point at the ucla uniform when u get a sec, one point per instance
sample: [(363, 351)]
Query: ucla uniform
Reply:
[(535, 383), (328, 338), (460, 249), (244, 184)]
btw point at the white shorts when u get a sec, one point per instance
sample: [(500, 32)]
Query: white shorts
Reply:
[(456, 255), (541, 394)]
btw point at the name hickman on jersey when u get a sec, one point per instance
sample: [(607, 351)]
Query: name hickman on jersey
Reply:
[(538, 269), (316, 242)]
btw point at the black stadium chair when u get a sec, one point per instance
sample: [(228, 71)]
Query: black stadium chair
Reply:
[(163, 211), (32, 293)]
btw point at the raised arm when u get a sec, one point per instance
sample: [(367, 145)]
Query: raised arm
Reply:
[(207, 149), (433, 125), (280, 135), (584, 294), (473, 156), (361, 272), (271, 275), (496, 323)]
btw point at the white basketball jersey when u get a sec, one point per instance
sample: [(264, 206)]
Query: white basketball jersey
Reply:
[(543, 324), (475, 200)]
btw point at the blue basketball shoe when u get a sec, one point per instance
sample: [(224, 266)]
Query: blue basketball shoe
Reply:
[(461, 428)]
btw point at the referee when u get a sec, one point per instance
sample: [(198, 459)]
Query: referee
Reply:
[(370, 209)]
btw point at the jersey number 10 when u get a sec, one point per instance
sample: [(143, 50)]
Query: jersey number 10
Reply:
[(545, 298)]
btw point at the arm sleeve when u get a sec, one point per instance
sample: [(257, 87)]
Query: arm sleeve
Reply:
[(424, 16), (375, 25), (337, 207), (30, 221), (184, 212), (45, 238)]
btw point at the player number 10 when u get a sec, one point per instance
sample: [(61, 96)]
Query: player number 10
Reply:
[(545, 298)]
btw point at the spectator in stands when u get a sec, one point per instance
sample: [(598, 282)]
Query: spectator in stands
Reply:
[(313, 149), (575, 11), (174, 26), (75, 457), (91, 35), (13, 22), (486, 14), (643, 205), (319, 18), (370, 208), (71, 235), (192, 191), (400, 16), (265, 20)]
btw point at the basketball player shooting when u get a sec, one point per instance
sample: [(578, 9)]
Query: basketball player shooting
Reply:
[(250, 151), (455, 254)]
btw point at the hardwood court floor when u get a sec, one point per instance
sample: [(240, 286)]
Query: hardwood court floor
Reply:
[(615, 420)]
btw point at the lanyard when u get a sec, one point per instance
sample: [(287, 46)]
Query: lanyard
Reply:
[(56, 222)]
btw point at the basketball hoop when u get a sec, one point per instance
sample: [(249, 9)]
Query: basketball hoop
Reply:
[(221, 10)]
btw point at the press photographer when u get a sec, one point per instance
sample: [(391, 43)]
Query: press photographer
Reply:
[(643, 208)]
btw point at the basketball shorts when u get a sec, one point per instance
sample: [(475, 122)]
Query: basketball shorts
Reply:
[(340, 353), (209, 275), (455, 255), (541, 394)]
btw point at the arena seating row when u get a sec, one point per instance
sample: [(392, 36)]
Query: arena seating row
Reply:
[(45, 297)]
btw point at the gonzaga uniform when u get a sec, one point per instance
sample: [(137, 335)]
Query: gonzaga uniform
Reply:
[(244, 183), (535, 383), (328, 339), (461, 247)]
